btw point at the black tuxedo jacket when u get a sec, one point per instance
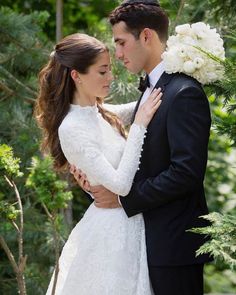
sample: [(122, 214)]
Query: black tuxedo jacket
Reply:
[(168, 187)]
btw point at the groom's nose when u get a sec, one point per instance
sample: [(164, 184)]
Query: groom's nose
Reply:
[(119, 53)]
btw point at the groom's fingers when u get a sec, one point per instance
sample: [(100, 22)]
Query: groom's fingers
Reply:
[(106, 197), (86, 186), (78, 176), (81, 179), (96, 189)]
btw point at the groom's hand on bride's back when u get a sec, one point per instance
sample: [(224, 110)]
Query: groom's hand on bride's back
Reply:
[(103, 198), (80, 177)]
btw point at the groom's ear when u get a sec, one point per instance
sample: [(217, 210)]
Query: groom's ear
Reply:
[(146, 35)]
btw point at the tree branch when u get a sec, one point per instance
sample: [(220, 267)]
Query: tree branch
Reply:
[(19, 269), (9, 254), (15, 80), (14, 40), (21, 227), (6, 89), (180, 10)]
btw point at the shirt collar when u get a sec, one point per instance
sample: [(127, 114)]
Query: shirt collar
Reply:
[(156, 73)]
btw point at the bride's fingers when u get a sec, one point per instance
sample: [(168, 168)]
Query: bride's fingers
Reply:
[(155, 92), (156, 103), (156, 99), (156, 106), (157, 96)]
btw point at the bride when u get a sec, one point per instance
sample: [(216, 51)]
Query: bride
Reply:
[(106, 252)]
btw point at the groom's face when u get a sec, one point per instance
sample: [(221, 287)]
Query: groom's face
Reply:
[(129, 49)]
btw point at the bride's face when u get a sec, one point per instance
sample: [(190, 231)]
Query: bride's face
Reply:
[(96, 82)]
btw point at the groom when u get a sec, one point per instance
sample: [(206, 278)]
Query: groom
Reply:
[(168, 187)]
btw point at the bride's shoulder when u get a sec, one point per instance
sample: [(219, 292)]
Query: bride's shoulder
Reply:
[(79, 123)]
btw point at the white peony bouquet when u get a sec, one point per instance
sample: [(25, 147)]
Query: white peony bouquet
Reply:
[(195, 50)]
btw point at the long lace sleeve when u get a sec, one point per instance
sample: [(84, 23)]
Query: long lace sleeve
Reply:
[(83, 149), (123, 111)]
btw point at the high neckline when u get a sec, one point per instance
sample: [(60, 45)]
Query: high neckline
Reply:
[(93, 108)]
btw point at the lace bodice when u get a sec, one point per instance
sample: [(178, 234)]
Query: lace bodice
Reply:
[(94, 146)]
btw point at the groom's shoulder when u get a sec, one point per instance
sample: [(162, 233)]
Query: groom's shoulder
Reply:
[(182, 81)]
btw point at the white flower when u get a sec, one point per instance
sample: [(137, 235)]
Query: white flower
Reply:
[(182, 53), (189, 67), (183, 29), (219, 51), (200, 30), (173, 63), (199, 27), (198, 62)]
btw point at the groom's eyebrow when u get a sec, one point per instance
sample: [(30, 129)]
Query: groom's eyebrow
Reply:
[(105, 66), (117, 40)]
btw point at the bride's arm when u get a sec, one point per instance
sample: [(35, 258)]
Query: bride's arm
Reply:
[(123, 111), (86, 149)]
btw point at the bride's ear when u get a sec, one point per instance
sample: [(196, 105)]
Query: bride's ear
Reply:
[(75, 76)]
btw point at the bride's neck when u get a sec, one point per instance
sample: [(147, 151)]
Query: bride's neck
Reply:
[(83, 99)]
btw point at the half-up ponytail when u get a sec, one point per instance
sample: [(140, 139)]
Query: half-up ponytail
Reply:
[(78, 52), (56, 91)]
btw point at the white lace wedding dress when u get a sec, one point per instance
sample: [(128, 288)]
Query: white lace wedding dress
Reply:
[(106, 251)]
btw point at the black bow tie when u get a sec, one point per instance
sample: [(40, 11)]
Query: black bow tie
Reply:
[(143, 83)]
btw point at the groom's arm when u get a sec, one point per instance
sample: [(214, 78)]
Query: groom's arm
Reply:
[(188, 125)]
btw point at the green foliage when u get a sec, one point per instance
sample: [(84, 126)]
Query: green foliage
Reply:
[(8, 164), (223, 237), (21, 53), (224, 12), (10, 167), (78, 15), (8, 211), (219, 279), (223, 229), (49, 189), (226, 87), (227, 126)]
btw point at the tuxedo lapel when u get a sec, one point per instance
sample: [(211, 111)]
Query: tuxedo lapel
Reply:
[(162, 83), (136, 108)]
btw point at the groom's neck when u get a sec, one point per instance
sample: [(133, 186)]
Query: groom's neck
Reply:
[(151, 66), (154, 57)]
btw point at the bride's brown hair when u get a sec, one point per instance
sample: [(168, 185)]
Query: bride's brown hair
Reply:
[(78, 52)]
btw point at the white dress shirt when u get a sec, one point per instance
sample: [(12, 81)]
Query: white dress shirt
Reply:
[(154, 76)]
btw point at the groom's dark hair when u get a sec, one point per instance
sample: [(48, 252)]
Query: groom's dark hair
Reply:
[(138, 15)]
